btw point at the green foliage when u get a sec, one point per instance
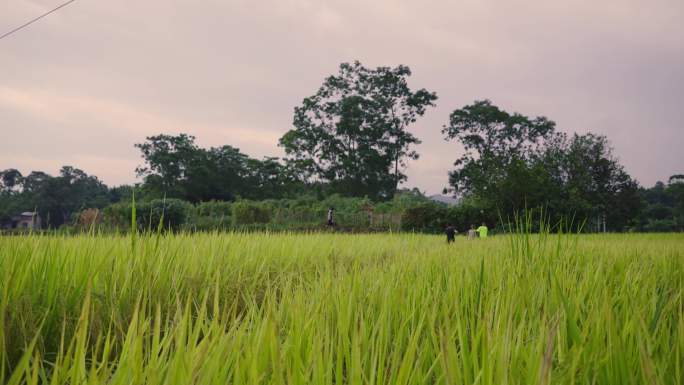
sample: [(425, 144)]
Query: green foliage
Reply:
[(302, 214), (433, 217), (471, 213), (654, 225), (352, 134), (348, 150), (55, 199), (248, 212), (213, 209), (176, 167), (402, 200), (9, 180), (123, 193), (170, 214), (427, 217), (513, 163), (663, 207)]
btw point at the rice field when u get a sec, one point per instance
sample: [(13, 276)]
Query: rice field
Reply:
[(341, 309)]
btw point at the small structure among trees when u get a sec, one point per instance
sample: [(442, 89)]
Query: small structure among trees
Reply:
[(26, 220)]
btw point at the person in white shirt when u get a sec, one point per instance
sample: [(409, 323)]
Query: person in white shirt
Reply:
[(472, 233)]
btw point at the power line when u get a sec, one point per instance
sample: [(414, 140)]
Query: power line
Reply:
[(36, 19)]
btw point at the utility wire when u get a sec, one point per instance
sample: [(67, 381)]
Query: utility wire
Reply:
[(36, 19)]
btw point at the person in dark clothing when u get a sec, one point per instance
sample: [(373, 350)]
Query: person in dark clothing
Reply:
[(450, 233), (331, 221)]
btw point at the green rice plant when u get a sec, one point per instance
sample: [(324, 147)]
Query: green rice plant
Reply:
[(324, 308)]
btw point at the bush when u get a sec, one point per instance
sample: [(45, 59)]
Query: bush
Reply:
[(149, 215), (660, 226), (427, 217), (169, 213), (88, 219), (409, 211), (250, 212), (118, 215), (467, 214), (209, 223), (214, 209)]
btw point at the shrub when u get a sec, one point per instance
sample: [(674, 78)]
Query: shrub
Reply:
[(118, 215), (250, 212), (214, 209), (149, 215), (660, 226), (428, 217), (88, 219), (170, 213)]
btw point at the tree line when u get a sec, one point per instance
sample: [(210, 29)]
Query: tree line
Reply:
[(351, 138)]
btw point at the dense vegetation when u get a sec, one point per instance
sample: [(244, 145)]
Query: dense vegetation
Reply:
[(408, 211), (512, 162), (660, 209), (328, 308), (350, 141)]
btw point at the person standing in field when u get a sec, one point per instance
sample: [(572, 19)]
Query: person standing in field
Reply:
[(450, 233), (483, 230), (331, 221), (472, 233)]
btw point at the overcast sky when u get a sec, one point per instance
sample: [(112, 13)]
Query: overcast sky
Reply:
[(81, 86)]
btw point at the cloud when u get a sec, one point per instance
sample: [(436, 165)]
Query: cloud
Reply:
[(127, 119), (101, 122), (97, 77)]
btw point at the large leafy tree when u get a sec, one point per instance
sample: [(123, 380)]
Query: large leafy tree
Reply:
[(595, 184), (168, 161), (499, 148), (512, 162), (352, 133)]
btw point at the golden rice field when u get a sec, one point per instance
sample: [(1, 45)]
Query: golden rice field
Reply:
[(341, 309)]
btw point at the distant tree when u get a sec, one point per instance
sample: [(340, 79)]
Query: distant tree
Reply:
[(675, 190), (58, 198), (513, 162), (167, 160), (11, 200), (663, 206), (55, 199), (34, 181), (176, 167), (269, 178), (10, 180), (595, 177), (677, 178), (500, 149), (123, 193), (353, 133)]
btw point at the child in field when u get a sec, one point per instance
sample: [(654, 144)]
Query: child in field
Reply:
[(483, 230), (472, 233), (450, 233)]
